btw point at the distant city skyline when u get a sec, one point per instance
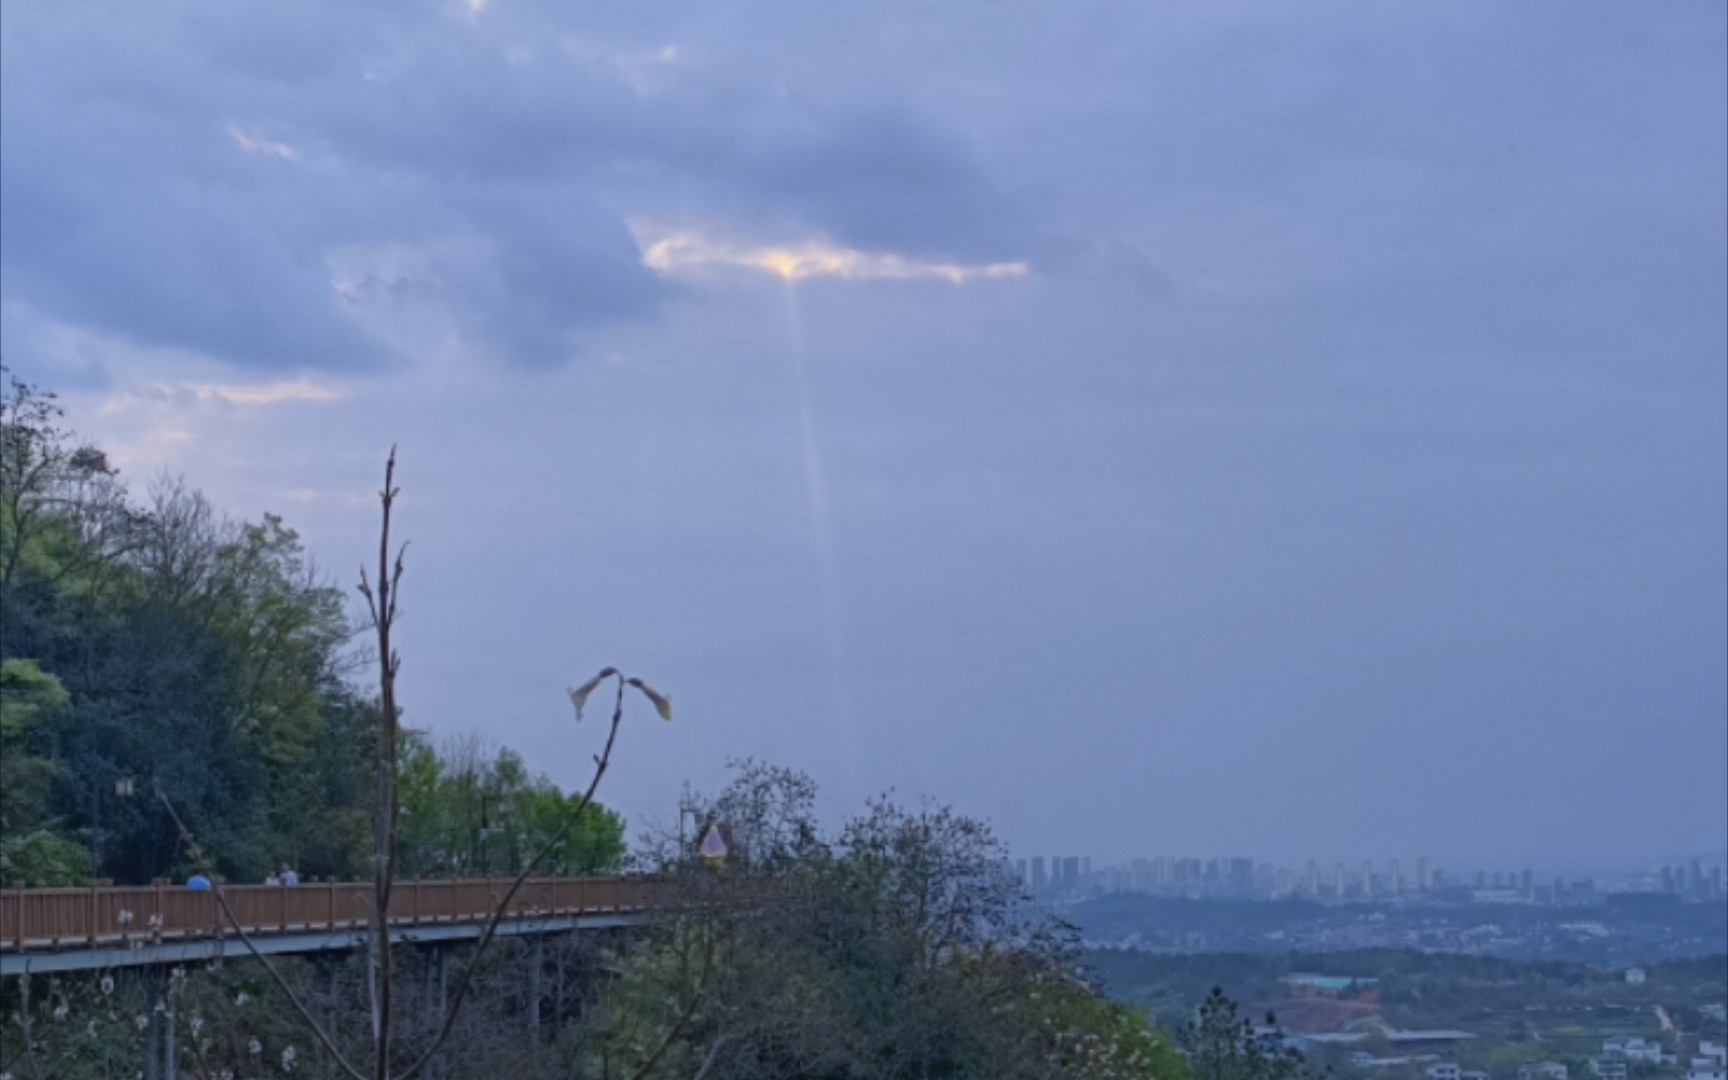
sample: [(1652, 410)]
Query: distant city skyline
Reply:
[(1244, 877)]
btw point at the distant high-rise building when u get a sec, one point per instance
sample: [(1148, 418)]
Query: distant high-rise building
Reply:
[(1340, 881), (1481, 879), (1140, 875), (1021, 871), (1425, 874), (1071, 872), (1367, 877), (1395, 878), (1313, 878), (1527, 881), (1085, 868), (1040, 882)]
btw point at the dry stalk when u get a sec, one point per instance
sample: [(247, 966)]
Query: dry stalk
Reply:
[(381, 603)]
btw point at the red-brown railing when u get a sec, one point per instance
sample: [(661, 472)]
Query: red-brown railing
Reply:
[(122, 914)]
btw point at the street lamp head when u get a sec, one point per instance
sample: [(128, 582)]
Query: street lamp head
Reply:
[(713, 849)]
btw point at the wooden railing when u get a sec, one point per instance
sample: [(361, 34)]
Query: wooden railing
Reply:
[(123, 914)]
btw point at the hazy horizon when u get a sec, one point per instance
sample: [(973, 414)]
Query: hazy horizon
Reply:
[(1211, 428)]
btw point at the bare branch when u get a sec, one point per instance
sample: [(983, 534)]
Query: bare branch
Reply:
[(713, 1056), (197, 854), (684, 1017), (602, 762), (387, 811)]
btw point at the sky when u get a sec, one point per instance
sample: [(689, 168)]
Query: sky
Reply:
[(1193, 428)]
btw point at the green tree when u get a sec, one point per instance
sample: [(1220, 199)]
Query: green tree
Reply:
[(1221, 1045), (897, 948), (465, 812), (30, 848)]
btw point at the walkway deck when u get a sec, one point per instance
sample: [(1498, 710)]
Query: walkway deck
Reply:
[(109, 926)]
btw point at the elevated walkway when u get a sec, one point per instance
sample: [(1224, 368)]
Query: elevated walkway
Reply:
[(105, 926)]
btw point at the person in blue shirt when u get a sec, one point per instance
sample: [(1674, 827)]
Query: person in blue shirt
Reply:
[(197, 881)]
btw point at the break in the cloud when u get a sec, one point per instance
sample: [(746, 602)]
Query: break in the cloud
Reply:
[(691, 254), (189, 179), (256, 144), (166, 424), (274, 393)]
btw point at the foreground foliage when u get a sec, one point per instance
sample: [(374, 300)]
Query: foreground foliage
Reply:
[(899, 947), (154, 644)]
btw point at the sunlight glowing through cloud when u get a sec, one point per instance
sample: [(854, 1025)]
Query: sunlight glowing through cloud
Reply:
[(257, 144), (687, 253), (277, 393), (270, 393)]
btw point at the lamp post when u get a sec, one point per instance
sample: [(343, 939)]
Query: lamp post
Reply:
[(485, 832), (123, 787), (500, 805)]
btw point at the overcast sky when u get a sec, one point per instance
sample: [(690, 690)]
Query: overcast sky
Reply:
[(1280, 429)]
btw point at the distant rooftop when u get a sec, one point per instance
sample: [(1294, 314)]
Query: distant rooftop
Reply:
[(1329, 982), (1439, 1035)]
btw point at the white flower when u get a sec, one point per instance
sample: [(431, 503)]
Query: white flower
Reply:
[(107, 984), (242, 998), (142, 1021), (254, 1047), (197, 1025), (288, 1059)]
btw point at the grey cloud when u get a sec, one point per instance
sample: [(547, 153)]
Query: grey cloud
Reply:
[(132, 210)]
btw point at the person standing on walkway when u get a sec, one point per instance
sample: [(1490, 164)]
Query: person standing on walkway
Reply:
[(289, 877)]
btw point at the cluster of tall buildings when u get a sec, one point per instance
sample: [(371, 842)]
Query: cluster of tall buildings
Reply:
[(1345, 882), (1060, 876), (1063, 875), (1222, 878), (1692, 882)]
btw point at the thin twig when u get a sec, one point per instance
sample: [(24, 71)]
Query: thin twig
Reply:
[(713, 1056), (601, 763), (387, 811), (197, 855), (684, 1017), (25, 1020)]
